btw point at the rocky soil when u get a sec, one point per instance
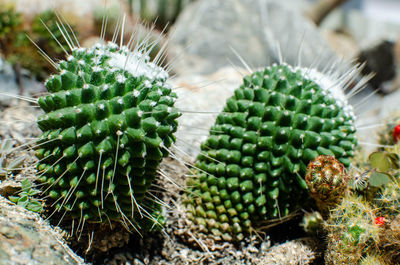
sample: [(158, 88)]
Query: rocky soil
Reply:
[(207, 72)]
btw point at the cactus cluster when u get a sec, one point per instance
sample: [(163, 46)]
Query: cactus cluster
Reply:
[(109, 119), (388, 200), (251, 167), (326, 179), (352, 232)]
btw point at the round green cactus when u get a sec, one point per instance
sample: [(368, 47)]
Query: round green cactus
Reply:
[(326, 179), (109, 119), (251, 167)]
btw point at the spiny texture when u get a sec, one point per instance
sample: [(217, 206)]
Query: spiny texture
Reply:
[(109, 119), (373, 259), (312, 222), (251, 167), (351, 231), (326, 180), (388, 199)]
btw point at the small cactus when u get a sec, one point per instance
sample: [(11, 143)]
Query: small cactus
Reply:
[(109, 119), (250, 169), (312, 222), (351, 231), (388, 200), (327, 181)]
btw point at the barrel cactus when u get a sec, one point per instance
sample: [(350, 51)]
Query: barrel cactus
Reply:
[(109, 119), (326, 179), (251, 168)]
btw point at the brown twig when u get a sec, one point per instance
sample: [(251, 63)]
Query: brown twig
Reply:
[(322, 8)]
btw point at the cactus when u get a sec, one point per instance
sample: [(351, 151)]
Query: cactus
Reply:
[(250, 168), (352, 232), (327, 181), (312, 222), (388, 199), (372, 259), (109, 119)]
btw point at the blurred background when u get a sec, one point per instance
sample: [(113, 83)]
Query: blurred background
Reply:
[(202, 34)]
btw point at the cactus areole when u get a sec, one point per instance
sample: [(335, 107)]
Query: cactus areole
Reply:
[(251, 168), (109, 117)]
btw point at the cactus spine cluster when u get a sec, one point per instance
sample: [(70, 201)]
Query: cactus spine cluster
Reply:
[(109, 119), (352, 232), (251, 167), (327, 181)]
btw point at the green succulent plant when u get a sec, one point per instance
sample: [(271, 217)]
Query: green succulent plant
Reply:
[(388, 199), (251, 167), (326, 179), (312, 222), (351, 231), (109, 119), (26, 197)]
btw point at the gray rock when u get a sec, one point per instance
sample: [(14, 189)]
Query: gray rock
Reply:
[(207, 30), (9, 88), (201, 98), (25, 238)]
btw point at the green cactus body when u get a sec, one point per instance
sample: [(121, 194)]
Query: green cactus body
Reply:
[(250, 168), (109, 118), (312, 222)]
